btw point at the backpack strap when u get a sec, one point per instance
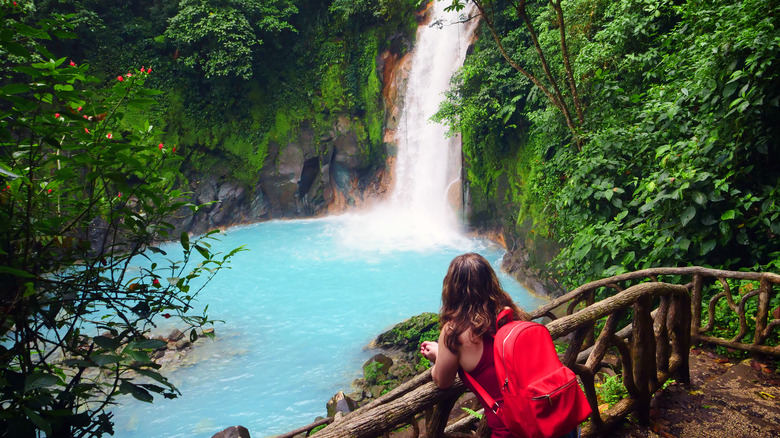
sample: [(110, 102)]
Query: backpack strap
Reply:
[(483, 394), (507, 312), (489, 401)]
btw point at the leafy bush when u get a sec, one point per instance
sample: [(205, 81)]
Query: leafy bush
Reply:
[(678, 102), (611, 389), (86, 194)]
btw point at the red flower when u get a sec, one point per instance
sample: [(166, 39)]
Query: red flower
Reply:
[(85, 116), (119, 195), (142, 69), (72, 64), (149, 70), (174, 150), (120, 78), (129, 75), (48, 191), (160, 147), (109, 135), (57, 115), (166, 315), (156, 282), (86, 130)]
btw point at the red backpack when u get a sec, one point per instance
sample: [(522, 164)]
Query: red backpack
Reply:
[(541, 396)]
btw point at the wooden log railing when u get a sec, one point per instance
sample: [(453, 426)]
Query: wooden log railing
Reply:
[(648, 325)]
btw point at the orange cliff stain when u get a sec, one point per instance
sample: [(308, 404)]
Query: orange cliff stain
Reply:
[(424, 16), (389, 61)]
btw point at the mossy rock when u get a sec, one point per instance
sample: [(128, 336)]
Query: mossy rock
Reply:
[(407, 335), (375, 369)]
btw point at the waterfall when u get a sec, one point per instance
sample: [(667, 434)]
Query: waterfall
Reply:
[(421, 211)]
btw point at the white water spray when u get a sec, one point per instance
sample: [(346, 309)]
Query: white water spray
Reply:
[(420, 214)]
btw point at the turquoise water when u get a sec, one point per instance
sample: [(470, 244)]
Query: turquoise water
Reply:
[(298, 310)]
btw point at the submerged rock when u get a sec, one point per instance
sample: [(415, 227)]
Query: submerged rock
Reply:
[(233, 432)]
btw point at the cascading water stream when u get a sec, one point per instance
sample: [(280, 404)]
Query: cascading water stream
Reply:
[(421, 211)]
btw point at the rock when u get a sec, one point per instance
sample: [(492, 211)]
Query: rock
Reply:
[(378, 390), (384, 365), (233, 432), (175, 335), (340, 403), (290, 162), (401, 371), (407, 335), (182, 344)]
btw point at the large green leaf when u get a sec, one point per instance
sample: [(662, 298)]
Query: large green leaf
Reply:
[(40, 380)]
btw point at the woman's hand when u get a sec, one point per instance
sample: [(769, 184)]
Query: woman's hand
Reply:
[(430, 350), (445, 362)]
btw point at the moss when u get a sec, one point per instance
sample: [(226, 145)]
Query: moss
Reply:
[(372, 372), (408, 334), (318, 428), (332, 89)]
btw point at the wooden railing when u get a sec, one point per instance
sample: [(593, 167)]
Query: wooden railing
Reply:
[(644, 330)]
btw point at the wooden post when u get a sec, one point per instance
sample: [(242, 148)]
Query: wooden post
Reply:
[(643, 356), (661, 331), (589, 387), (441, 413), (682, 322), (696, 303), (762, 314)]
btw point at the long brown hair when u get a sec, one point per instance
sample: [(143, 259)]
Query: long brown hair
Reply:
[(472, 297)]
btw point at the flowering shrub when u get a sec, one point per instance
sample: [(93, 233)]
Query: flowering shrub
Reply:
[(86, 195)]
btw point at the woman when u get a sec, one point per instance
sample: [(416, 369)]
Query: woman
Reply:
[(472, 298)]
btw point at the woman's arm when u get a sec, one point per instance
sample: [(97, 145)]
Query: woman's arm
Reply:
[(445, 366)]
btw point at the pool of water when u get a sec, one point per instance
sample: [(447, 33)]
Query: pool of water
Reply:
[(298, 310)]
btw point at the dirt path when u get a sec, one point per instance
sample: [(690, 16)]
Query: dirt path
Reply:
[(726, 398)]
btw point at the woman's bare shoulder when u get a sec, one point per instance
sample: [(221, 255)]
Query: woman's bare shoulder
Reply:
[(467, 338)]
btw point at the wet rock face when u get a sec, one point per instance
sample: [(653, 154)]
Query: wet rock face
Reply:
[(310, 175), (306, 177)]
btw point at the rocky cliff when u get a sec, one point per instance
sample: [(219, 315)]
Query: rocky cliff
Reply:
[(312, 174)]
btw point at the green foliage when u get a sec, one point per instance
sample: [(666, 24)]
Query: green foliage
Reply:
[(227, 75), (360, 14), (219, 37), (87, 191), (473, 413), (372, 371), (675, 184), (679, 102), (318, 428), (611, 389)]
